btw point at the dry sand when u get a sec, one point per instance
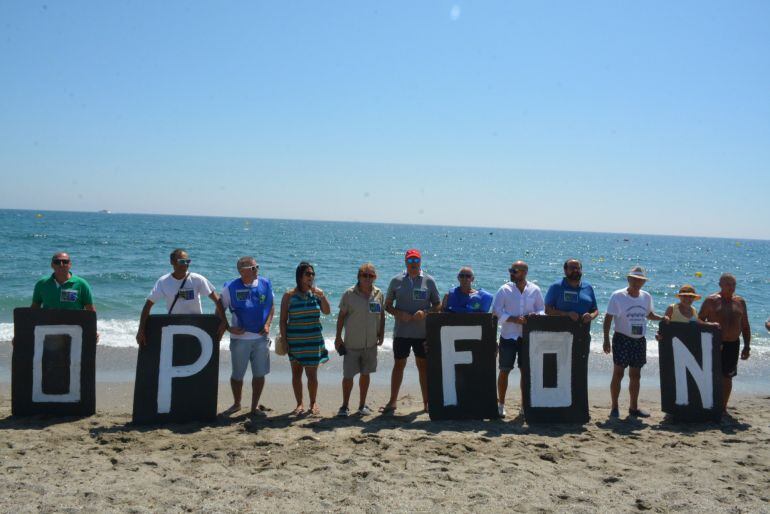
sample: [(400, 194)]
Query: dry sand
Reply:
[(403, 463)]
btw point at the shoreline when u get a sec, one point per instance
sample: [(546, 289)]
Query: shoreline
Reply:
[(118, 365)]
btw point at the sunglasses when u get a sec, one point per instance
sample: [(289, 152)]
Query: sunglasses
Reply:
[(368, 275), (252, 268), (464, 275), (513, 271), (184, 262), (413, 260), (60, 262), (310, 273)]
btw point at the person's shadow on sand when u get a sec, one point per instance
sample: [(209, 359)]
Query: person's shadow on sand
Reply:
[(728, 425)]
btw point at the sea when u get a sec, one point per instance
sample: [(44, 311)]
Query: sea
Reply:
[(122, 255)]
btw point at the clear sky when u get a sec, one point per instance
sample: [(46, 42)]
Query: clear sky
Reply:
[(614, 116)]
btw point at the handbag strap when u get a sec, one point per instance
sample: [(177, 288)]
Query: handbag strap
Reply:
[(177, 293)]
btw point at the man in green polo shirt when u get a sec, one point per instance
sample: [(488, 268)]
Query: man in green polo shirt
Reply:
[(62, 290)]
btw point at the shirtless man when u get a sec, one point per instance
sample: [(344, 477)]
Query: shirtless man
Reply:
[(729, 310)]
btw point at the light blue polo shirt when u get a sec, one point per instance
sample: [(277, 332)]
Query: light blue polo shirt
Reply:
[(566, 298)]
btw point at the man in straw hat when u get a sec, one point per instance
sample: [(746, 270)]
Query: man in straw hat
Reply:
[(729, 310), (630, 307)]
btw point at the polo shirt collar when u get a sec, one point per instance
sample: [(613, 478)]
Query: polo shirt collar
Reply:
[(53, 279), (564, 283), (357, 290)]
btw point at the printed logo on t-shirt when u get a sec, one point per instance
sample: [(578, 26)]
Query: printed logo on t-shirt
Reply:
[(637, 330), (242, 295), (571, 296), (375, 307), (419, 295), (262, 298), (187, 294), (68, 295)]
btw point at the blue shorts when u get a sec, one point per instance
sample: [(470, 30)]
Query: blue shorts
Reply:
[(509, 349), (244, 351), (628, 351)]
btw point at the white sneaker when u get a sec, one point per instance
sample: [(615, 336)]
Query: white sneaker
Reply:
[(365, 411), (501, 410)]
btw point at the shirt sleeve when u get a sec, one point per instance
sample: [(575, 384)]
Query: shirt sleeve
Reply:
[(344, 300), (86, 294), (594, 305), (612, 307), (270, 295), (435, 297), (205, 288), (649, 302), (498, 306), (225, 298), (391, 294), (157, 294), (539, 304), (550, 296), (37, 293)]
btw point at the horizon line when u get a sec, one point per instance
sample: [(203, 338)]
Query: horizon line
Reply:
[(108, 213)]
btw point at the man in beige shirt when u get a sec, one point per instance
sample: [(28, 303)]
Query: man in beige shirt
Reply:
[(362, 315)]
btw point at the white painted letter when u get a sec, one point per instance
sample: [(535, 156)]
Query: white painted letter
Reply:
[(559, 343), (450, 357), (167, 372), (76, 349), (684, 361)]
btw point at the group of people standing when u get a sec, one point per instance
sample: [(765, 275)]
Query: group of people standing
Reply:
[(410, 296)]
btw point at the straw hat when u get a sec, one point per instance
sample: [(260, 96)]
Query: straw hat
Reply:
[(637, 272), (688, 290)]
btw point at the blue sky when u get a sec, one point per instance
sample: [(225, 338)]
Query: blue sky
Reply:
[(648, 117)]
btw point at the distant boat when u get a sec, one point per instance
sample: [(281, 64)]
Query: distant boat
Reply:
[(105, 211)]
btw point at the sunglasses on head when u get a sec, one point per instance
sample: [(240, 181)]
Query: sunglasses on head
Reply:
[(184, 262), (413, 260), (60, 262), (464, 275), (252, 268)]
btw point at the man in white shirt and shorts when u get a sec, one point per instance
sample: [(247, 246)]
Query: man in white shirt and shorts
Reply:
[(630, 307)]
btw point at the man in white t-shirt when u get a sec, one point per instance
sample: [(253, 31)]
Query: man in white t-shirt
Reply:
[(182, 291), (630, 307)]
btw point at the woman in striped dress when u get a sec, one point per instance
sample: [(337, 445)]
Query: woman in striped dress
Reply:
[(301, 310)]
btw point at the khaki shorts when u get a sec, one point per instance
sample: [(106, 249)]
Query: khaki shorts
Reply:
[(359, 361)]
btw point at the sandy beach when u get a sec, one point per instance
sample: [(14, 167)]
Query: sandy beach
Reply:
[(402, 463)]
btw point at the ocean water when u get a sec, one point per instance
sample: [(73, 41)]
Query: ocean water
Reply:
[(121, 256)]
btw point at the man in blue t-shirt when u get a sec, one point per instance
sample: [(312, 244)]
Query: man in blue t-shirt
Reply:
[(250, 300), (464, 298), (572, 297)]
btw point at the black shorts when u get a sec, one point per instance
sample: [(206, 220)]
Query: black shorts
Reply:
[(509, 350), (403, 345), (730, 352)]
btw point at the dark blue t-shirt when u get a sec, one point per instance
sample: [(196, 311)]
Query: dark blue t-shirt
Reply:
[(457, 301), (566, 298)]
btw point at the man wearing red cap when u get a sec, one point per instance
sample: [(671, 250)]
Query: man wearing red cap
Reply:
[(414, 293)]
